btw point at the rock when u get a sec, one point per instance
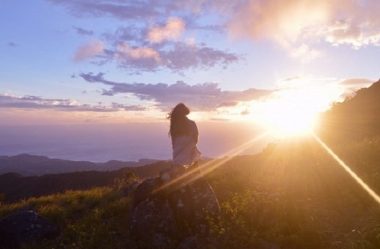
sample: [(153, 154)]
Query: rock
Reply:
[(171, 218), (191, 242), (192, 204), (196, 242), (131, 188), (23, 227), (262, 244), (153, 224), (144, 190)]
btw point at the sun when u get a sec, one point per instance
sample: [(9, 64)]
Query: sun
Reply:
[(291, 113), (287, 120)]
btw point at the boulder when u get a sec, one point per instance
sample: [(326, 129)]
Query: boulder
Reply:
[(25, 226), (174, 217), (153, 224), (145, 189)]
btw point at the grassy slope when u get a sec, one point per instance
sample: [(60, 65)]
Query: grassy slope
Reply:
[(292, 195), (95, 218)]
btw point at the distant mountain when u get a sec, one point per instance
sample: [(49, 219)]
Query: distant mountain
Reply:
[(30, 165), (16, 187)]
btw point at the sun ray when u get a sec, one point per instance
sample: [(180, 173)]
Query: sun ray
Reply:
[(210, 165), (370, 191)]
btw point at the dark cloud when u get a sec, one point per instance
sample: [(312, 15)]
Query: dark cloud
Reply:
[(34, 102), (82, 31), (205, 97)]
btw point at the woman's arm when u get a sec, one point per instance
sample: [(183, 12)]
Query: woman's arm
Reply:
[(194, 131)]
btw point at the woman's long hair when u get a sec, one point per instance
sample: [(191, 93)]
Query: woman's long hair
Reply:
[(178, 120)]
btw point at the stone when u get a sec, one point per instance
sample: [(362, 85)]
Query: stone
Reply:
[(172, 217), (23, 227), (145, 189), (153, 224)]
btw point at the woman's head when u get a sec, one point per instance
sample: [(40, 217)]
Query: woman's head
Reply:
[(178, 122), (180, 110)]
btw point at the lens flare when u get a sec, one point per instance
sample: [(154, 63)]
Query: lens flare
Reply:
[(371, 192)]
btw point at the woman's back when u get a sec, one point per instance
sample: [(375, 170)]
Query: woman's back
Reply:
[(184, 136)]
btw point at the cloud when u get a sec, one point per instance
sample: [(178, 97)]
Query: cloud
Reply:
[(124, 51), (130, 10), (352, 22), (305, 53), (173, 29), (176, 56), (355, 81), (118, 106), (354, 84), (205, 96), (82, 31), (89, 50), (355, 34), (152, 37), (277, 19), (356, 23), (34, 102)]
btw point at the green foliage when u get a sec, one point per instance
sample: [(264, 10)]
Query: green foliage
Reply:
[(97, 218)]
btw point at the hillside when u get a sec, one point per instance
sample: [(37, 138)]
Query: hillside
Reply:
[(15, 187), (358, 117), (291, 196), (352, 130)]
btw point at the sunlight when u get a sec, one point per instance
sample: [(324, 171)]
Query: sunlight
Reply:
[(283, 119), (372, 193), (294, 110), (211, 165)]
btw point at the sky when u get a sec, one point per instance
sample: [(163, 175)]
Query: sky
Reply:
[(117, 61)]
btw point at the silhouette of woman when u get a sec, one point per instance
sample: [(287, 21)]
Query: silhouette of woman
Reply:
[(184, 137)]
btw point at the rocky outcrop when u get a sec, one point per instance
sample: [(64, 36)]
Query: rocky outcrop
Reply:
[(25, 226), (174, 217)]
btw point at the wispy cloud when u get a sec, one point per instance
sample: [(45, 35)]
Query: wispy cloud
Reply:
[(176, 56), (172, 30), (204, 97), (89, 50), (115, 8), (82, 31), (68, 105), (357, 81), (356, 23)]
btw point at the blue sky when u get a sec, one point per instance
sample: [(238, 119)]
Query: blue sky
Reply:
[(219, 51)]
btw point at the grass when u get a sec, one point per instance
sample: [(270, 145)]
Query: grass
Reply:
[(96, 218)]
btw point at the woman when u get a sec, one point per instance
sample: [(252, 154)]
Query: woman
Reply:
[(184, 136)]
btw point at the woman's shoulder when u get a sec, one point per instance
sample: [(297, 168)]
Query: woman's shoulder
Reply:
[(191, 123)]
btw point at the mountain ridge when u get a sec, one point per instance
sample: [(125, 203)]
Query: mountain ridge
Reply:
[(32, 165)]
